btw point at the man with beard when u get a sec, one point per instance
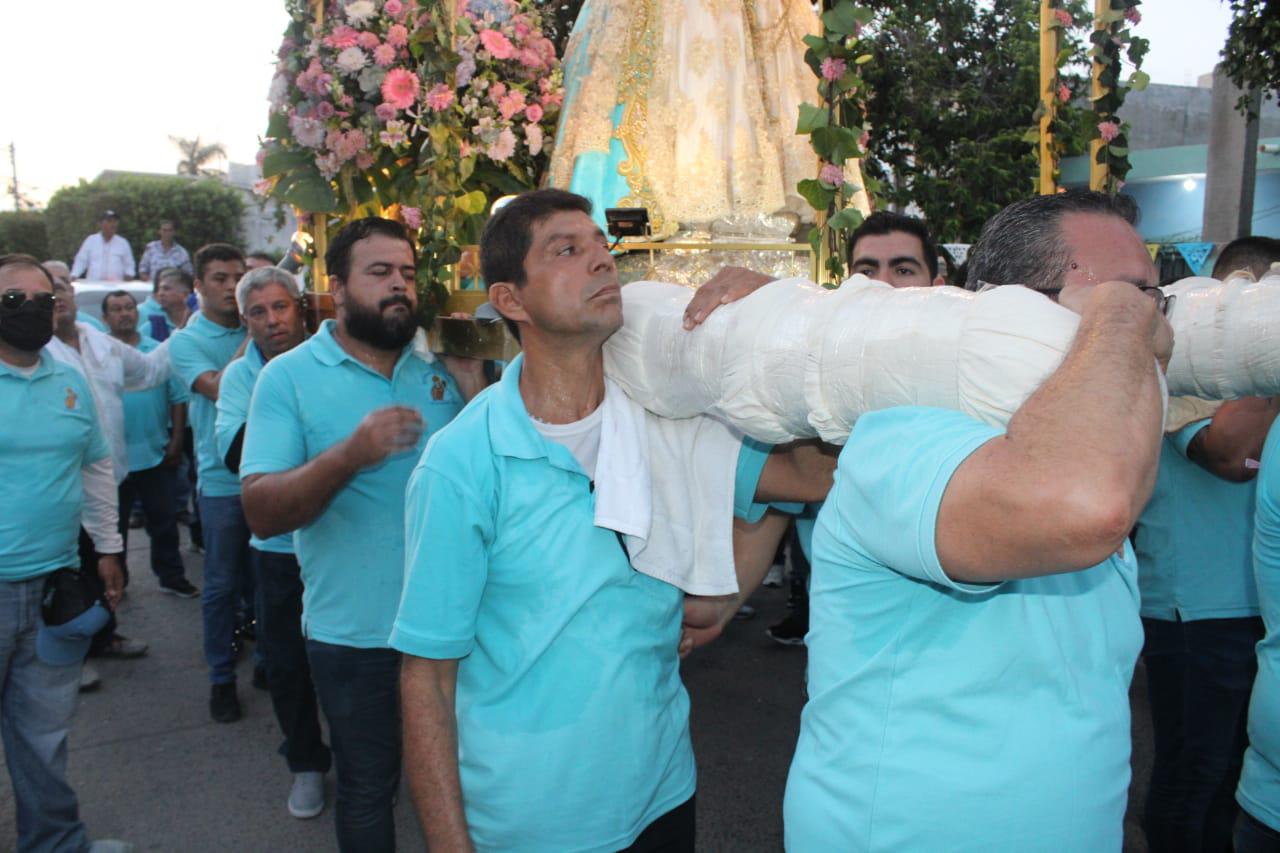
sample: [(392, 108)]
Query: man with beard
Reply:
[(271, 305), (200, 352), (335, 428)]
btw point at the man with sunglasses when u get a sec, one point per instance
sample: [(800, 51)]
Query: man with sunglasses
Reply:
[(55, 474), (974, 607)]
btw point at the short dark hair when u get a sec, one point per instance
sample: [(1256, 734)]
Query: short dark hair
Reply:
[(1255, 254), (1022, 244), (338, 257), (113, 294), (262, 256), (509, 233), (884, 222), (215, 252), (173, 272), (18, 259)]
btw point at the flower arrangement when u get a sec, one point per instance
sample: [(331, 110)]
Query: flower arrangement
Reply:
[(417, 109), (507, 90), (836, 129), (344, 99), (1113, 41)]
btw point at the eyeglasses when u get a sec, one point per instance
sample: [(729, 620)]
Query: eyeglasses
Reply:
[(12, 300), (1164, 302)]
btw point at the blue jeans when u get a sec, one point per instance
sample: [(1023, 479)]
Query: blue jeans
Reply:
[(284, 651), (1199, 677), (360, 694), (37, 702), (154, 487), (226, 569)]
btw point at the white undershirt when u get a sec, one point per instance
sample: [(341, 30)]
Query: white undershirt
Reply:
[(581, 438)]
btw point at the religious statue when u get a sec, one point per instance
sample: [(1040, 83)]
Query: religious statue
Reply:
[(688, 108)]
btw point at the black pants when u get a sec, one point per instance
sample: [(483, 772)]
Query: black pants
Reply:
[(89, 568), (155, 488), (674, 832), (1254, 836), (284, 652), (1199, 678)]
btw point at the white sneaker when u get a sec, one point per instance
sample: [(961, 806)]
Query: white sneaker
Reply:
[(774, 576), (306, 797), (89, 678)]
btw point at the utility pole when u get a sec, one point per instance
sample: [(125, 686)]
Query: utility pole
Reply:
[(13, 167)]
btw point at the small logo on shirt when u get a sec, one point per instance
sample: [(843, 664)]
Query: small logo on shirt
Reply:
[(437, 388), (71, 399)]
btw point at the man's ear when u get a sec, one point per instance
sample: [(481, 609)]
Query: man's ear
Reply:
[(338, 292), (505, 296)]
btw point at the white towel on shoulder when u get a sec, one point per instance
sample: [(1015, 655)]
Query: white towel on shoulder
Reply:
[(667, 485)]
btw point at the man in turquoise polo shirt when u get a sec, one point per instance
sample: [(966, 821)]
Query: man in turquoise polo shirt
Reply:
[(271, 307), (1200, 611), (541, 689), (55, 474), (199, 353), (334, 429), (974, 605), (154, 421), (1257, 828)]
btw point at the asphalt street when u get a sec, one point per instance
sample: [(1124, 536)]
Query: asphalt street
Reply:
[(151, 768)]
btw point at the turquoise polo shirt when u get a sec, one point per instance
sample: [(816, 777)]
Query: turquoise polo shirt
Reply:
[(86, 317), (202, 346), (234, 393), (147, 417), (573, 724), (944, 715), (49, 432), (352, 554), (1194, 541), (148, 308), (1259, 791)]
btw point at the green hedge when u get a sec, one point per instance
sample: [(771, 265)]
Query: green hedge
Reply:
[(23, 231), (205, 211)]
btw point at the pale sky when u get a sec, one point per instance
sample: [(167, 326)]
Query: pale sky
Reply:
[(91, 85)]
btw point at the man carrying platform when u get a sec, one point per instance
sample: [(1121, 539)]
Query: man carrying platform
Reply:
[(541, 689)]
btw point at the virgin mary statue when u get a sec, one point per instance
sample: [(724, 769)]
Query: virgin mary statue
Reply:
[(688, 108)]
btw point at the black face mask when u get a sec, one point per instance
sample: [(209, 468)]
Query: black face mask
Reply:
[(28, 327)]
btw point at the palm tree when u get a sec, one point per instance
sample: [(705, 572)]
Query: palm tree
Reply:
[(195, 155)]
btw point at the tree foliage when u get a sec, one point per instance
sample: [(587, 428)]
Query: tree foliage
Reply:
[(23, 231), (1251, 57), (951, 90), (204, 211), (196, 156)]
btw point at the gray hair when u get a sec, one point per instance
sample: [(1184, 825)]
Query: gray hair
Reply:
[(1022, 244), (261, 278)]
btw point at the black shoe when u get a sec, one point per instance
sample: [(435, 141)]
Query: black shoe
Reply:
[(224, 705), (260, 678), (790, 631), (182, 588)]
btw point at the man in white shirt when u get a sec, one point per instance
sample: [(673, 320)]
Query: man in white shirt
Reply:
[(105, 256), (111, 368)]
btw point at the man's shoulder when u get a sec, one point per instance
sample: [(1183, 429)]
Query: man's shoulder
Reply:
[(466, 439), (237, 374)]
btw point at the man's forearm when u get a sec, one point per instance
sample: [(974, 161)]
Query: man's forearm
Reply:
[(283, 502), (431, 751), (1100, 413), (1235, 435)]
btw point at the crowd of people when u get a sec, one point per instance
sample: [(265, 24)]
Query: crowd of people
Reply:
[(439, 565)]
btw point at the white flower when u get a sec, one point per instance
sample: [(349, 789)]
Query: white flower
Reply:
[(352, 60), (360, 11), (278, 95), (533, 136)]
